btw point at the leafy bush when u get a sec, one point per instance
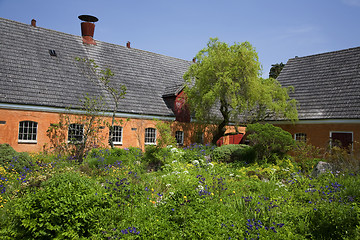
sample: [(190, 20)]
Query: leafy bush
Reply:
[(10, 159), (245, 154), (306, 156), (155, 157), (185, 199), (197, 151), (65, 207), (269, 141), (234, 152), (165, 136), (344, 160), (98, 158), (333, 222)]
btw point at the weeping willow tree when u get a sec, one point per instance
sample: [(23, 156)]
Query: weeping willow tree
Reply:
[(225, 86)]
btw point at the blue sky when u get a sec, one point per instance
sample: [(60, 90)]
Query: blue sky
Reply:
[(278, 29)]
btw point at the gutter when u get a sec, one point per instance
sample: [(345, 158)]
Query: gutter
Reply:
[(318, 121), (74, 111)]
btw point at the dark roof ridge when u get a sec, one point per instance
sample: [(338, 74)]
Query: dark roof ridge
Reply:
[(326, 53)]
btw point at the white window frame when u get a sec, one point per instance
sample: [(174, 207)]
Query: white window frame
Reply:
[(150, 136), (78, 132), (27, 132), (300, 137), (179, 136), (352, 137), (118, 135)]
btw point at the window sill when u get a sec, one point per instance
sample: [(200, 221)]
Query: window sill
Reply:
[(118, 143), (150, 143), (26, 142)]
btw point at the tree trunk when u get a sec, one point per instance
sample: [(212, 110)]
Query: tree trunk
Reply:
[(222, 126)]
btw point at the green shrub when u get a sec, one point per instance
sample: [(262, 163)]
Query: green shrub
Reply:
[(165, 135), (245, 154), (10, 159), (67, 206), (269, 142), (233, 152), (333, 222), (98, 158), (117, 152), (197, 151), (156, 157)]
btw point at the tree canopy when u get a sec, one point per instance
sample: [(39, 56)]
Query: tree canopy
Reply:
[(275, 70), (225, 86)]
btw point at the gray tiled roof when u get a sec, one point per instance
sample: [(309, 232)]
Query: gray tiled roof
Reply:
[(327, 86), (173, 90), (29, 75)]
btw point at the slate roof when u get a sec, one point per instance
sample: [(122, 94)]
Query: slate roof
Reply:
[(30, 76), (327, 86), (174, 90)]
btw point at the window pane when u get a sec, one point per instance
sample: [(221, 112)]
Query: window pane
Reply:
[(75, 132), (179, 135), (117, 134), (300, 137), (27, 131), (150, 135)]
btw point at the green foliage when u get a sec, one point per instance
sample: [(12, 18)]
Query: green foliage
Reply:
[(328, 222), (156, 157), (12, 160), (306, 155), (228, 78), (197, 151), (65, 207), (343, 159), (269, 141), (245, 154), (165, 135), (275, 70), (233, 153), (99, 158), (187, 198)]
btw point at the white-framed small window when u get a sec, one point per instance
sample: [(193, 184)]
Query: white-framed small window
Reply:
[(27, 132), (75, 133), (150, 136), (117, 134), (300, 137), (179, 136)]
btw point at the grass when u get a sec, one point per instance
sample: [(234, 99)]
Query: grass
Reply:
[(188, 198)]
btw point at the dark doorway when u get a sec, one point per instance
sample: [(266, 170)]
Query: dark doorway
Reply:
[(342, 139)]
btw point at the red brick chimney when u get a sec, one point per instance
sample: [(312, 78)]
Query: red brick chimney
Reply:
[(128, 44), (87, 28), (33, 22)]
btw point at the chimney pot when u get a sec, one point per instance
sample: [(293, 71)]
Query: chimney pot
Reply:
[(194, 60), (128, 44), (87, 28), (33, 22)]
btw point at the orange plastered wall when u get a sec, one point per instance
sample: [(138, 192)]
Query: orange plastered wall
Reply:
[(319, 134), (133, 130), (10, 130)]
